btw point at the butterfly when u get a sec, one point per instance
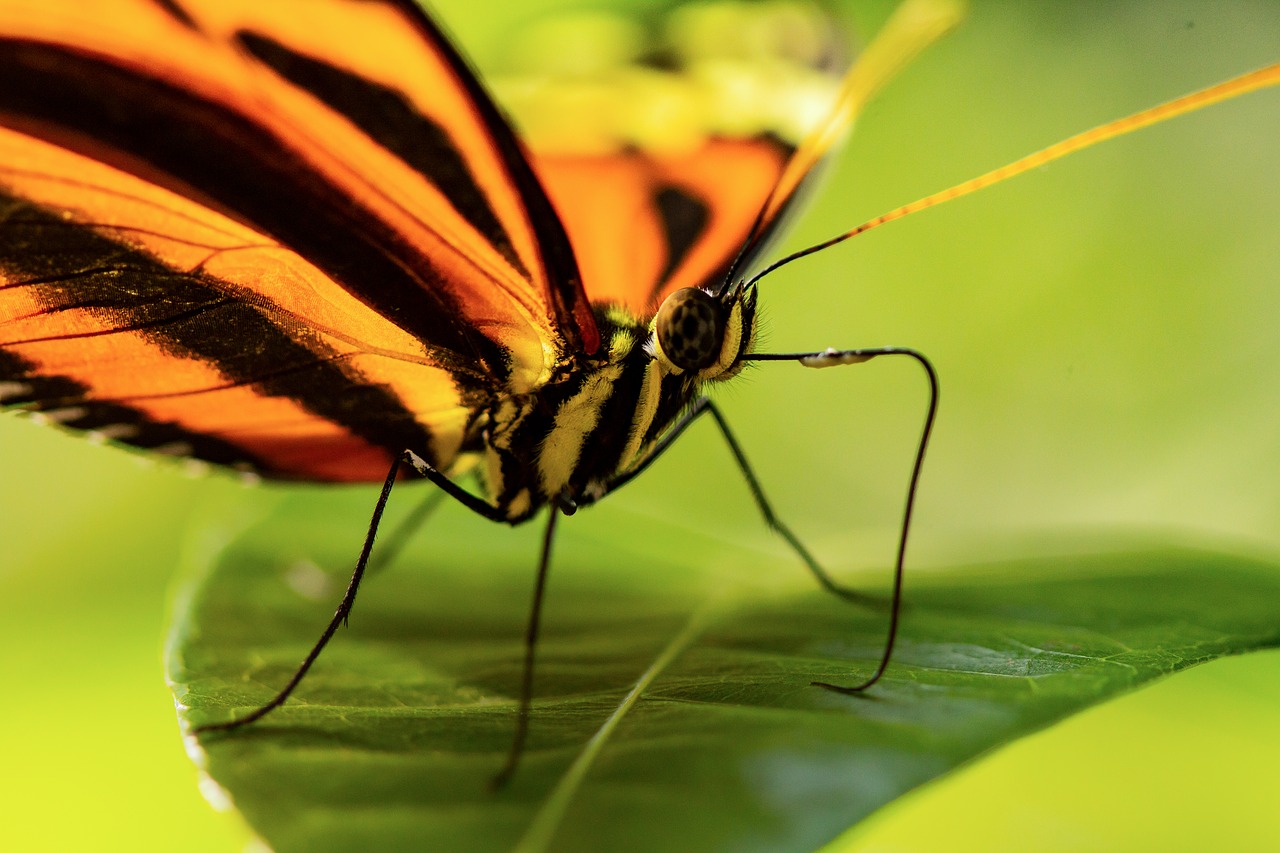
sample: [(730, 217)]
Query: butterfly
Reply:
[(293, 252)]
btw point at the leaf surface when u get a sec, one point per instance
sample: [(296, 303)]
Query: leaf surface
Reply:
[(673, 708)]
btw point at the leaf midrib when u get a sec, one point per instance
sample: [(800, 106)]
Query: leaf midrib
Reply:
[(547, 819)]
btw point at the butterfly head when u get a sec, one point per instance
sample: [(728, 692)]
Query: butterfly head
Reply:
[(704, 335)]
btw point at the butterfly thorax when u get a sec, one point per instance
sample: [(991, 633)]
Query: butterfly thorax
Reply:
[(567, 442)]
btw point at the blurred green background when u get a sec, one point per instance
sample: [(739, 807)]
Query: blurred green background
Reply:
[(1105, 330)]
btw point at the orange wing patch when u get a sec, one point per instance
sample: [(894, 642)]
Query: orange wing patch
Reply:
[(643, 227)]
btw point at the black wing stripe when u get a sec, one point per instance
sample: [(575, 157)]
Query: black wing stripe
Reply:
[(189, 315), (683, 218), (175, 11), (387, 116), (576, 320), (187, 143)]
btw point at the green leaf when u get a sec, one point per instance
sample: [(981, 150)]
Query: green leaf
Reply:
[(391, 741)]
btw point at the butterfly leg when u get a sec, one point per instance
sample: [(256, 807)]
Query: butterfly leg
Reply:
[(826, 358), (530, 645), (339, 617), (349, 597), (704, 406), (394, 542), (535, 614)]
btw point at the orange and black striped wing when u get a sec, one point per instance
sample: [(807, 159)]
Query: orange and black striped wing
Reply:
[(346, 135), (347, 129), (145, 317)]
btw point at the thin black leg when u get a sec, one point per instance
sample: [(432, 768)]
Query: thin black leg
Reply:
[(349, 598), (530, 646), (826, 358), (452, 489), (339, 618), (394, 542), (704, 406)]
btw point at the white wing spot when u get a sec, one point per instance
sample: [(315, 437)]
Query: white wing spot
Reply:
[(118, 432), (11, 390), (173, 448), (62, 416)]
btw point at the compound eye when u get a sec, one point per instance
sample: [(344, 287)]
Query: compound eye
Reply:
[(690, 328)]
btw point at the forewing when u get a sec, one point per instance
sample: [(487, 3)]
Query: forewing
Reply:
[(348, 130)]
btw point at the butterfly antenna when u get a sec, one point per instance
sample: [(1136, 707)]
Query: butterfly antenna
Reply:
[(1268, 76), (911, 28)]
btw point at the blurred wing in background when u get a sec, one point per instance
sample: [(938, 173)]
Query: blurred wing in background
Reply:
[(660, 150)]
